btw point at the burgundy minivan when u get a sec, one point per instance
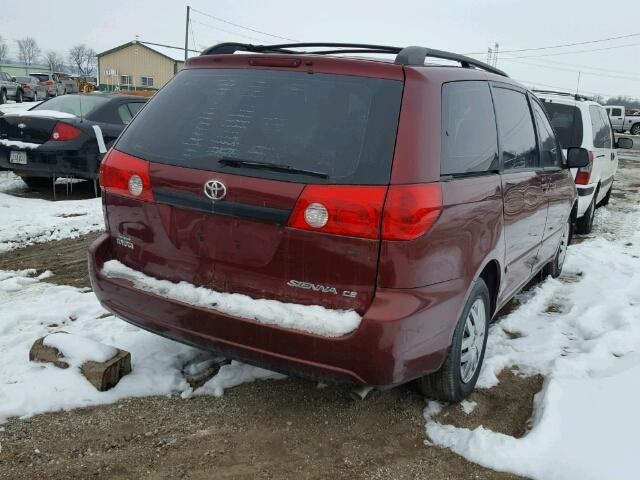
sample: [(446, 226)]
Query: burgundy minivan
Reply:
[(334, 217)]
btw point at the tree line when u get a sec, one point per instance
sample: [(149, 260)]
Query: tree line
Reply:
[(80, 58)]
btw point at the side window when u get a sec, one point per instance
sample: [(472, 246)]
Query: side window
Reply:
[(124, 113), (469, 140), (515, 127), (616, 112), (550, 154), (608, 135), (135, 107), (598, 127)]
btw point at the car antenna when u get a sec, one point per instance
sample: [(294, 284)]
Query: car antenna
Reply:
[(80, 103)]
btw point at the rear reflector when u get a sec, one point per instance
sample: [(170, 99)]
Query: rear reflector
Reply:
[(584, 174), (63, 132), (361, 211), (125, 175), (410, 210), (353, 211)]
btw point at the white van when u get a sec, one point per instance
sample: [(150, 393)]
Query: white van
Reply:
[(581, 122)]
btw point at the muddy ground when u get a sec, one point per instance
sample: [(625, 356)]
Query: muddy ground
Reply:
[(267, 429)]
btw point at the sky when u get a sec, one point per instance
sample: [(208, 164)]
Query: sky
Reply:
[(454, 25)]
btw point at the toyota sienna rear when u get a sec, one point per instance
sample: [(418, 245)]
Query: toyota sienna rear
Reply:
[(289, 210)]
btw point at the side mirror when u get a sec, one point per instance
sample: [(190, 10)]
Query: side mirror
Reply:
[(577, 157), (13, 79), (624, 142)]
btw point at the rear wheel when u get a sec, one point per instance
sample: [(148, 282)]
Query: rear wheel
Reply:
[(607, 197), (635, 129), (458, 375), (19, 96), (554, 267), (37, 183), (584, 224)]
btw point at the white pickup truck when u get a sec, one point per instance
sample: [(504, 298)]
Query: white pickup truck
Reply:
[(621, 122)]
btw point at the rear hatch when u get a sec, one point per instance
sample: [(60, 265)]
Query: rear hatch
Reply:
[(271, 143), (25, 128), (566, 119)]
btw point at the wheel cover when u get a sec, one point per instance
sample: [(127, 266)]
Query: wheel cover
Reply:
[(564, 244), (472, 340)]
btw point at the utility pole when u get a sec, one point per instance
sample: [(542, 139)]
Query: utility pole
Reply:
[(186, 36), (578, 84), (496, 47), (489, 56)]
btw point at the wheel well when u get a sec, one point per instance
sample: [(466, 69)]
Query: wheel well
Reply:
[(491, 276)]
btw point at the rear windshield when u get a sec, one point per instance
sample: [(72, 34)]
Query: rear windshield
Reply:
[(338, 125), (567, 121), (78, 105), (23, 79), (43, 77)]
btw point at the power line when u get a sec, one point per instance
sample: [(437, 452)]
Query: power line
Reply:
[(563, 45), (636, 79), (228, 31), (574, 65), (242, 26), (614, 47), (168, 46)]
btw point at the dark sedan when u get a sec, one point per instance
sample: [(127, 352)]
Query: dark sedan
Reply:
[(65, 136)]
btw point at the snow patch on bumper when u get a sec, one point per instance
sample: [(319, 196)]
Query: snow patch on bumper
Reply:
[(307, 318)]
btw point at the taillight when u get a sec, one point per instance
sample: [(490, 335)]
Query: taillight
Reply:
[(63, 132), (354, 211), (125, 175), (584, 173), (49, 82), (410, 210)]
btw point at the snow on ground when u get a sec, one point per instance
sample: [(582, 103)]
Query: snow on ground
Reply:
[(582, 331), (32, 308), (25, 221), (307, 318)]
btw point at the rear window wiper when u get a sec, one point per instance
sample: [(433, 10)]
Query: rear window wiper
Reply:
[(276, 167)]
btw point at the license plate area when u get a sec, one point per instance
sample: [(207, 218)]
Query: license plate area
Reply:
[(19, 157)]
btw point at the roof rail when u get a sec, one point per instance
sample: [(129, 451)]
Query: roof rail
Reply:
[(575, 96), (414, 56)]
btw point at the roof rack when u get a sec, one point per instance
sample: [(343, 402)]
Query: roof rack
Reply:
[(414, 56), (575, 96)]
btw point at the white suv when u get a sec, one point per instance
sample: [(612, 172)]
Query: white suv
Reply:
[(581, 122)]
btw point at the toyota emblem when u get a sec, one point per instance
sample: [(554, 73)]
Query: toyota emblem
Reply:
[(22, 126), (215, 189)]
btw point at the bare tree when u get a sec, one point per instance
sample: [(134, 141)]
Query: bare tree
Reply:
[(54, 60), (28, 50), (83, 59), (3, 49)]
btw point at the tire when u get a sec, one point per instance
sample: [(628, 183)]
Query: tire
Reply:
[(584, 224), (3, 97), (19, 96), (635, 129), (554, 267), (456, 380), (37, 183), (607, 197)]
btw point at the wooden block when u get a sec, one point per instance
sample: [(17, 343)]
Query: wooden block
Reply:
[(103, 376)]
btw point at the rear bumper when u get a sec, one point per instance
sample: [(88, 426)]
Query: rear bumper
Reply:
[(44, 162), (403, 335)]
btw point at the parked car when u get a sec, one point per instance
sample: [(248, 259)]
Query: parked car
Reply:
[(580, 122), (51, 82), (58, 137), (9, 89), (69, 81), (363, 224), (622, 122), (32, 89)]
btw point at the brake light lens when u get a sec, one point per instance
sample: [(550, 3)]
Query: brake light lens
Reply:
[(584, 173), (354, 211), (49, 82), (411, 210), (63, 132), (124, 175)]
